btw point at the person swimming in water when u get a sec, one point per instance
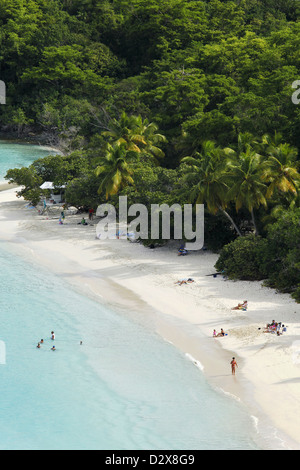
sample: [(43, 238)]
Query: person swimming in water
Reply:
[(53, 348)]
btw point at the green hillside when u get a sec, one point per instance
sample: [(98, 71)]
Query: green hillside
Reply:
[(167, 101)]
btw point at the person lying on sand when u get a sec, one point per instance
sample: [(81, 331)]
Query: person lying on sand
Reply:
[(184, 281), (242, 306), (182, 251)]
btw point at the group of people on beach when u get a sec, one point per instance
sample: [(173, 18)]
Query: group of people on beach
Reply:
[(42, 342), (233, 362), (275, 327), (241, 306), (219, 335), (83, 220)]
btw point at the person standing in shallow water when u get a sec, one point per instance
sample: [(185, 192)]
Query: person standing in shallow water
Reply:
[(233, 365)]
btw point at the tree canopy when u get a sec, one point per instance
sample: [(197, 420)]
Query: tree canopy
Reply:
[(174, 100)]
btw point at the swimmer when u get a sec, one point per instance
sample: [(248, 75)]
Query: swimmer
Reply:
[(42, 341), (39, 346), (53, 348)]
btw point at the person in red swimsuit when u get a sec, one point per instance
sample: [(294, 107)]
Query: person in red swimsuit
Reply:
[(233, 365)]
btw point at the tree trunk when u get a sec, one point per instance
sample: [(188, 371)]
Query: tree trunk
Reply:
[(254, 223), (231, 221)]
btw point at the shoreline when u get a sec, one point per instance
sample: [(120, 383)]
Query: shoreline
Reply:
[(27, 139), (129, 276), (6, 186)]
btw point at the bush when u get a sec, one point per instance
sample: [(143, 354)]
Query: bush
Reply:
[(284, 248), (245, 258), (275, 258), (296, 294)]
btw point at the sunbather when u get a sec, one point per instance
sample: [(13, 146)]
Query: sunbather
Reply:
[(182, 250), (184, 281), (242, 306)]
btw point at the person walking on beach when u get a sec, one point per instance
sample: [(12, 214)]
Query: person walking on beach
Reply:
[(233, 365), (91, 214)]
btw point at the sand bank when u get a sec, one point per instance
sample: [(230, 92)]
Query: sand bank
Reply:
[(131, 277), (7, 186)]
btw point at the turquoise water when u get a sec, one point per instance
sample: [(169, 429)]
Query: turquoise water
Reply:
[(123, 388), (13, 155)]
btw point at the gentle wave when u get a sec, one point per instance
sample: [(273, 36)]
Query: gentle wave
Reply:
[(195, 361)]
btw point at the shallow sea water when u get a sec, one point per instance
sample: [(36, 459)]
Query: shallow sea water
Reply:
[(14, 155), (123, 388)]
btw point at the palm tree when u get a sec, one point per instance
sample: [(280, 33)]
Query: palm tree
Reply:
[(280, 170), (268, 141), (206, 173), (247, 188), (136, 134), (123, 132), (115, 169), (245, 141), (149, 132)]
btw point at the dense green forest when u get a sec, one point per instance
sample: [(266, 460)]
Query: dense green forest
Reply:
[(169, 101)]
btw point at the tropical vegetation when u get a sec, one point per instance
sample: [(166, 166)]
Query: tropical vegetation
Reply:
[(170, 101)]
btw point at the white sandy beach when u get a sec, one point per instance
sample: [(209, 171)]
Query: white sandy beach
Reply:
[(129, 276)]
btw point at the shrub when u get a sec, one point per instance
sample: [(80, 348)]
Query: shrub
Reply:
[(296, 294), (275, 258), (244, 258)]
